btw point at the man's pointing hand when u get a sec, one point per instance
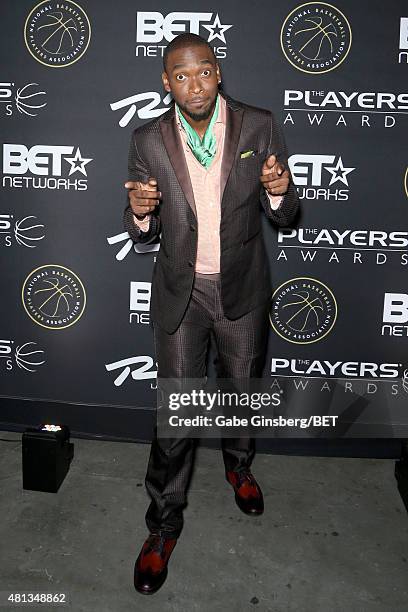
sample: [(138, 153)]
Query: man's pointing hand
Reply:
[(143, 197), (274, 177)]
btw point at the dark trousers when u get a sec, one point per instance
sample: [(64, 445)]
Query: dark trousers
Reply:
[(241, 347)]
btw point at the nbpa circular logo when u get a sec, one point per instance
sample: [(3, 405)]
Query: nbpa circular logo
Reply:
[(303, 310), (57, 34), (316, 37), (53, 296)]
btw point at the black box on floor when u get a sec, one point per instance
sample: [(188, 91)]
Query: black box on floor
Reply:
[(47, 455)]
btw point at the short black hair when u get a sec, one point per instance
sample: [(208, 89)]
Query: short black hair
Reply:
[(185, 40)]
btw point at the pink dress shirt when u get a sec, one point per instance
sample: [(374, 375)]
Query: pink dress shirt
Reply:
[(206, 188)]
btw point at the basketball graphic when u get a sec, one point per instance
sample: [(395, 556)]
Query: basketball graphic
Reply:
[(303, 310), (316, 37), (27, 100), (56, 298), (28, 233), (405, 380), (53, 296), (312, 40), (28, 358), (57, 34)]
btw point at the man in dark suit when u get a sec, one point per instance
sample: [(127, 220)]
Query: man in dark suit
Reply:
[(199, 176)]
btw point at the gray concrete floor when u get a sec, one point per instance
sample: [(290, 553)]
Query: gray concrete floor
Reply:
[(333, 537)]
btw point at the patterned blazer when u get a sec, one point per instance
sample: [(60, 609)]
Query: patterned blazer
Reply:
[(155, 150)]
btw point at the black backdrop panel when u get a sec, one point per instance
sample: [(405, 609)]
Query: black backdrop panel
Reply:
[(77, 78)]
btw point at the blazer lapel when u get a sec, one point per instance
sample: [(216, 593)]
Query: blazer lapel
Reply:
[(173, 144), (235, 114)]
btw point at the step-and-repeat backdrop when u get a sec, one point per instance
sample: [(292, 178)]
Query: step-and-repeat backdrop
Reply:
[(78, 77)]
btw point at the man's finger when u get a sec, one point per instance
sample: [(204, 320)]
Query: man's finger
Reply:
[(276, 186), (144, 206), (151, 185), (269, 163), (152, 182), (142, 210), (279, 168), (276, 182), (273, 176), (266, 178), (136, 194)]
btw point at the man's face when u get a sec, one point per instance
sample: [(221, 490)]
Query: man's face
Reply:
[(192, 76)]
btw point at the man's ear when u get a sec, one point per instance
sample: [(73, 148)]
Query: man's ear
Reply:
[(166, 83), (218, 72)]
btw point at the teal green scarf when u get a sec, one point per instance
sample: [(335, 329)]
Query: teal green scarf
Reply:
[(204, 150)]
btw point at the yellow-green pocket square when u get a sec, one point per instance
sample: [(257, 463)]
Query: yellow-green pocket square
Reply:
[(249, 153)]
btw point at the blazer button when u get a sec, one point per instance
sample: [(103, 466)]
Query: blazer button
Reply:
[(191, 264)]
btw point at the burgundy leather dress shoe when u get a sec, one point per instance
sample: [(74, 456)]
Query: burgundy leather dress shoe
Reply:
[(151, 564), (248, 494)]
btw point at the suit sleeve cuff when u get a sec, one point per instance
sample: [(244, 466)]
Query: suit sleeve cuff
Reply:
[(142, 224), (274, 201)]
